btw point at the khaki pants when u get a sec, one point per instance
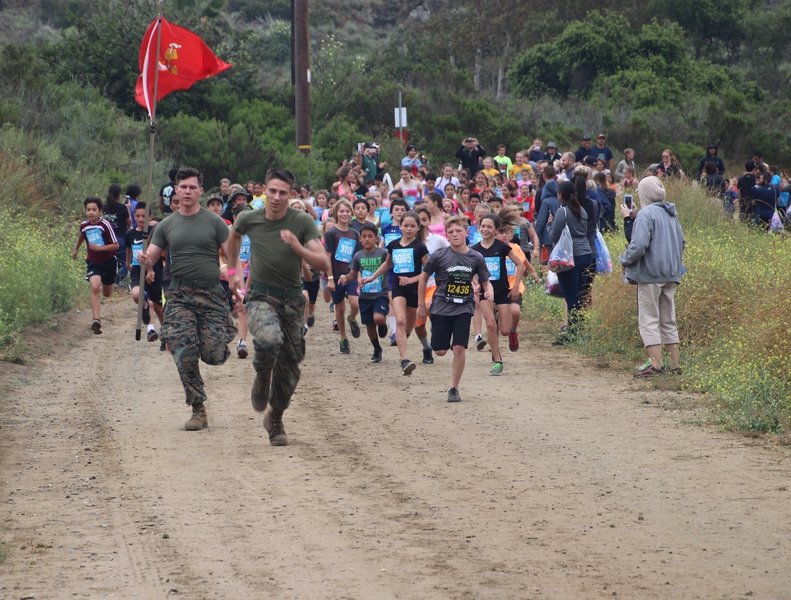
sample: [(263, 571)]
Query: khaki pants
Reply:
[(656, 313)]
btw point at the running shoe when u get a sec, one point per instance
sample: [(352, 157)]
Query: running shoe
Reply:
[(453, 395), (335, 325), (96, 326), (332, 306), (353, 327), (428, 357), (146, 314), (376, 357), (497, 368), (345, 349), (305, 329), (513, 341), (152, 335), (480, 343), (241, 349), (311, 321), (407, 366), (393, 340), (162, 346), (382, 330), (648, 370)]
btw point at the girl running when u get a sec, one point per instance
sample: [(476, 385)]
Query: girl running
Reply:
[(495, 253), (438, 216), (342, 242), (406, 257)]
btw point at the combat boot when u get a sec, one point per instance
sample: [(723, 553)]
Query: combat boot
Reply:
[(273, 423), (198, 420), (259, 395)]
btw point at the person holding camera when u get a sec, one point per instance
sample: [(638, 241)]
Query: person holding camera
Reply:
[(470, 155), (652, 260)]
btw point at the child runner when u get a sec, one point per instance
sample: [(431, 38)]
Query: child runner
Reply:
[(374, 304), (495, 252), (433, 243), (452, 306), (101, 245), (391, 232), (505, 235), (406, 257), (342, 242), (135, 238)]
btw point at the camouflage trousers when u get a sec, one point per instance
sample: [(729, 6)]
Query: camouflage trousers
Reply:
[(197, 326), (275, 324)]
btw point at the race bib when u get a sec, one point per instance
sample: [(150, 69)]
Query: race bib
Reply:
[(136, 248), (375, 286), (493, 264), (345, 250), (403, 260), (510, 267), (473, 235), (459, 286), (391, 237), (411, 198), (244, 251), (94, 236)]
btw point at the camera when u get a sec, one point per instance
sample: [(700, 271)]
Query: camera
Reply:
[(468, 140)]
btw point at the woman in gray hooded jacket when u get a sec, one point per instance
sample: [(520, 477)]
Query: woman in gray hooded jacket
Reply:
[(652, 260)]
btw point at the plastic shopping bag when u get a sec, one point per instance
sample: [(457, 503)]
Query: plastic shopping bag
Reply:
[(553, 285), (562, 256), (776, 225), (603, 259)]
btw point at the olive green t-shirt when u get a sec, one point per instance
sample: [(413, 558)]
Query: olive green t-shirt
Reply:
[(193, 243), (272, 261)]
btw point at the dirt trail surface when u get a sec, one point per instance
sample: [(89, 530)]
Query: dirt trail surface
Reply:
[(555, 480)]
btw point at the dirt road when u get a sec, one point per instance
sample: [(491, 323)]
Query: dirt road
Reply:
[(556, 480)]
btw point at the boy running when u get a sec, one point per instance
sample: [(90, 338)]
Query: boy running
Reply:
[(135, 239), (102, 264), (374, 304), (452, 306)]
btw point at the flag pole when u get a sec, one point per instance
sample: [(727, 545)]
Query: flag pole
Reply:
[(152, 135)]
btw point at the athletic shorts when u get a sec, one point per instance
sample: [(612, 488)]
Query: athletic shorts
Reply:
[(153, 291), (344, 291), (408, 291), (369, 306), (500, 294), (447, 332), (312, 288), (429, 297), (107, 270)]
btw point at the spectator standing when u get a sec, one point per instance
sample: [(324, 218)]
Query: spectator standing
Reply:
[(627, 161), (711, 157), (552, 154), (652, 260), (601, 151), (470, 154), (584, 150)]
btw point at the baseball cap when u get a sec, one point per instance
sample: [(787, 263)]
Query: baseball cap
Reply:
[(214, 199), (238, 193), (586, 137), (552, 145), (601, 135)]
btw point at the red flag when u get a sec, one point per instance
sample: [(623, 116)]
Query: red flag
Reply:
[(184, 58)]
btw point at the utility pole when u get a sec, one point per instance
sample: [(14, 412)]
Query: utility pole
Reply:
[(301, 72)]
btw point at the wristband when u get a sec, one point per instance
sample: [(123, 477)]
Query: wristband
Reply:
[(330, 278), (231, 271)]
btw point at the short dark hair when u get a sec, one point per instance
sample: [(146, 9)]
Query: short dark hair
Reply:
[(397, 193), (368, 226), (281, 174), (172, 174), (212, 199), (187, 172), (133, 190), (93, 200), (361, 201), (749, 166), (398, 202), (140, 205)]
